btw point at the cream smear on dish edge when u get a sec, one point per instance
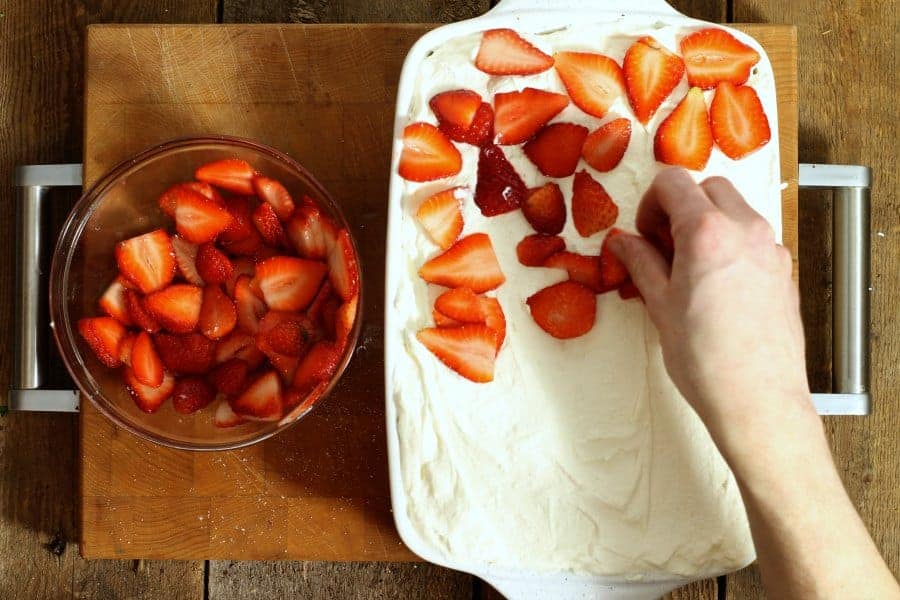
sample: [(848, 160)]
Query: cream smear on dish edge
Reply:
[(581, 455)]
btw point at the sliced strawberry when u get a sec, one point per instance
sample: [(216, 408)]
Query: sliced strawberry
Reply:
[(207, 190), (534, 249), (187, 354), (329, 317), (499, 189), (343, 270), (315, 308), (470, 262), (460, 304), (319, 364), (289, 283), (345, 318), (713, 55), (505, 52), (250, 307), (628, 290), (125, 348), (147, 398), (273, 193), (213, 265), (147, 261), (230, 377), (176, 308), (286, 333), (651, 73), (242, 266), (470, 350), (232, 174), (685, 137), (225, 417), (427, 154), (594, 81), (104, 336), (604, 148), (556, 148), (456, 107), (199, 219), (494, 318), (442, 320), (592, 208), (545, 209), (480, 132), (186, 258), (218, 315), (239, 345), (168, 200), (191, 394), (565, 310), (138, 314), (145, 361), (112, 302), (581, 269), (441, 217), (262, 400), (241, 236), (613, 273), (739, 124), (312, 232), (269, 226), (520, 115)]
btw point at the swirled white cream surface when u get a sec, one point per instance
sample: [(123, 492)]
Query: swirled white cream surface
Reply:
[(580, 456)]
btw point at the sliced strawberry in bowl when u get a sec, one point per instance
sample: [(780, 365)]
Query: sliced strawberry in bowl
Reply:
[(470, 262), (176, 308), (556, 148), (738, 121), (311, 232), (138, 314), (441, 217), (427, 154), (147, 261), (289, 283), (536, 248), (242, 266), (218, 314), (213, 265), (499, 189), (545, 209), (187, 354), (344, 320), (604, 148), (104, 336), (520, 115), (199, 219), (148, 398), (269, 225), (145, 361), (272, 192), (231, 174), (651, 73), (713, 55), (565, 310), (241, 236), (343, 269), (241, 345), (592, 208), (685, 137), (250, 307), (593, 81), (319, 364), (225, 417), (470, 350), (505, 52), (186, 259), (190, 394), (261, 401), (112, 302), (230, 377)]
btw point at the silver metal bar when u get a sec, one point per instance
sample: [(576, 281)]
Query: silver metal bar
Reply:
[(30, 351), (851, 275)]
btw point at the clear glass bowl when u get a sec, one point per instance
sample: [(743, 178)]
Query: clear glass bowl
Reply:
[(122, 204)]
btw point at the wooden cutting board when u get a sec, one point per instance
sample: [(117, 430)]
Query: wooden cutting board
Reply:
[(323, 94)]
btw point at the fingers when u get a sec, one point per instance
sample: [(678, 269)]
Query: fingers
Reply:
[(726, 198), (648, 269), (673, 197)]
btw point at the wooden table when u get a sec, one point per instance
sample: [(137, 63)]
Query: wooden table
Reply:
[(847, 80)]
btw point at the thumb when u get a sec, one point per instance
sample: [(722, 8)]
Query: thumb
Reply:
[(648, 269)]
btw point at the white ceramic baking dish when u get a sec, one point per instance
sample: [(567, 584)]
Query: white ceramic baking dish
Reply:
[(529, 16)]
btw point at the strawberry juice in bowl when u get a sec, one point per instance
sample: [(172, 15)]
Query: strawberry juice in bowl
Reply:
[(205, 294)]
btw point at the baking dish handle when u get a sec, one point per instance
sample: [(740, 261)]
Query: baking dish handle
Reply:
[(30, 349), (850, 303), (654, 7)]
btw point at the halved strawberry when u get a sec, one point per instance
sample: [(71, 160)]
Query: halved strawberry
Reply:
[(581, 269), (218, 315), (318, 365), (207, 190), (519, 115), (594, 81), (199, 219), (470, 350), (138, 314), (565, 310), (190, 394), (232, 174), (272, 192), (242, 266), (604, 148), (147, 398), (592, 208), (628, 290), (315, 308), (343, 270), (556, 148), (225, 417), (460, 304), (480, 132), (612, 272), (147, 260), (534, 249), (499, 188), (145, 361), (240, 345), (186, 258), (427, 154), (241, 236), (738, 121), (344, 319), (545, 209), (125, 348), (112, 302), (168, 200), (312, 232), (470, 262), (442, 320), (651, 73), (176, 308), (269, 226), (104, 336), (212, 265), (230, 377), (713, 55), (441, 217), (494, 318), (289, 283), (505, 52), (250, 307), (685, 137), (285, 332), (187, 354), (262, 400), (456, 108)]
